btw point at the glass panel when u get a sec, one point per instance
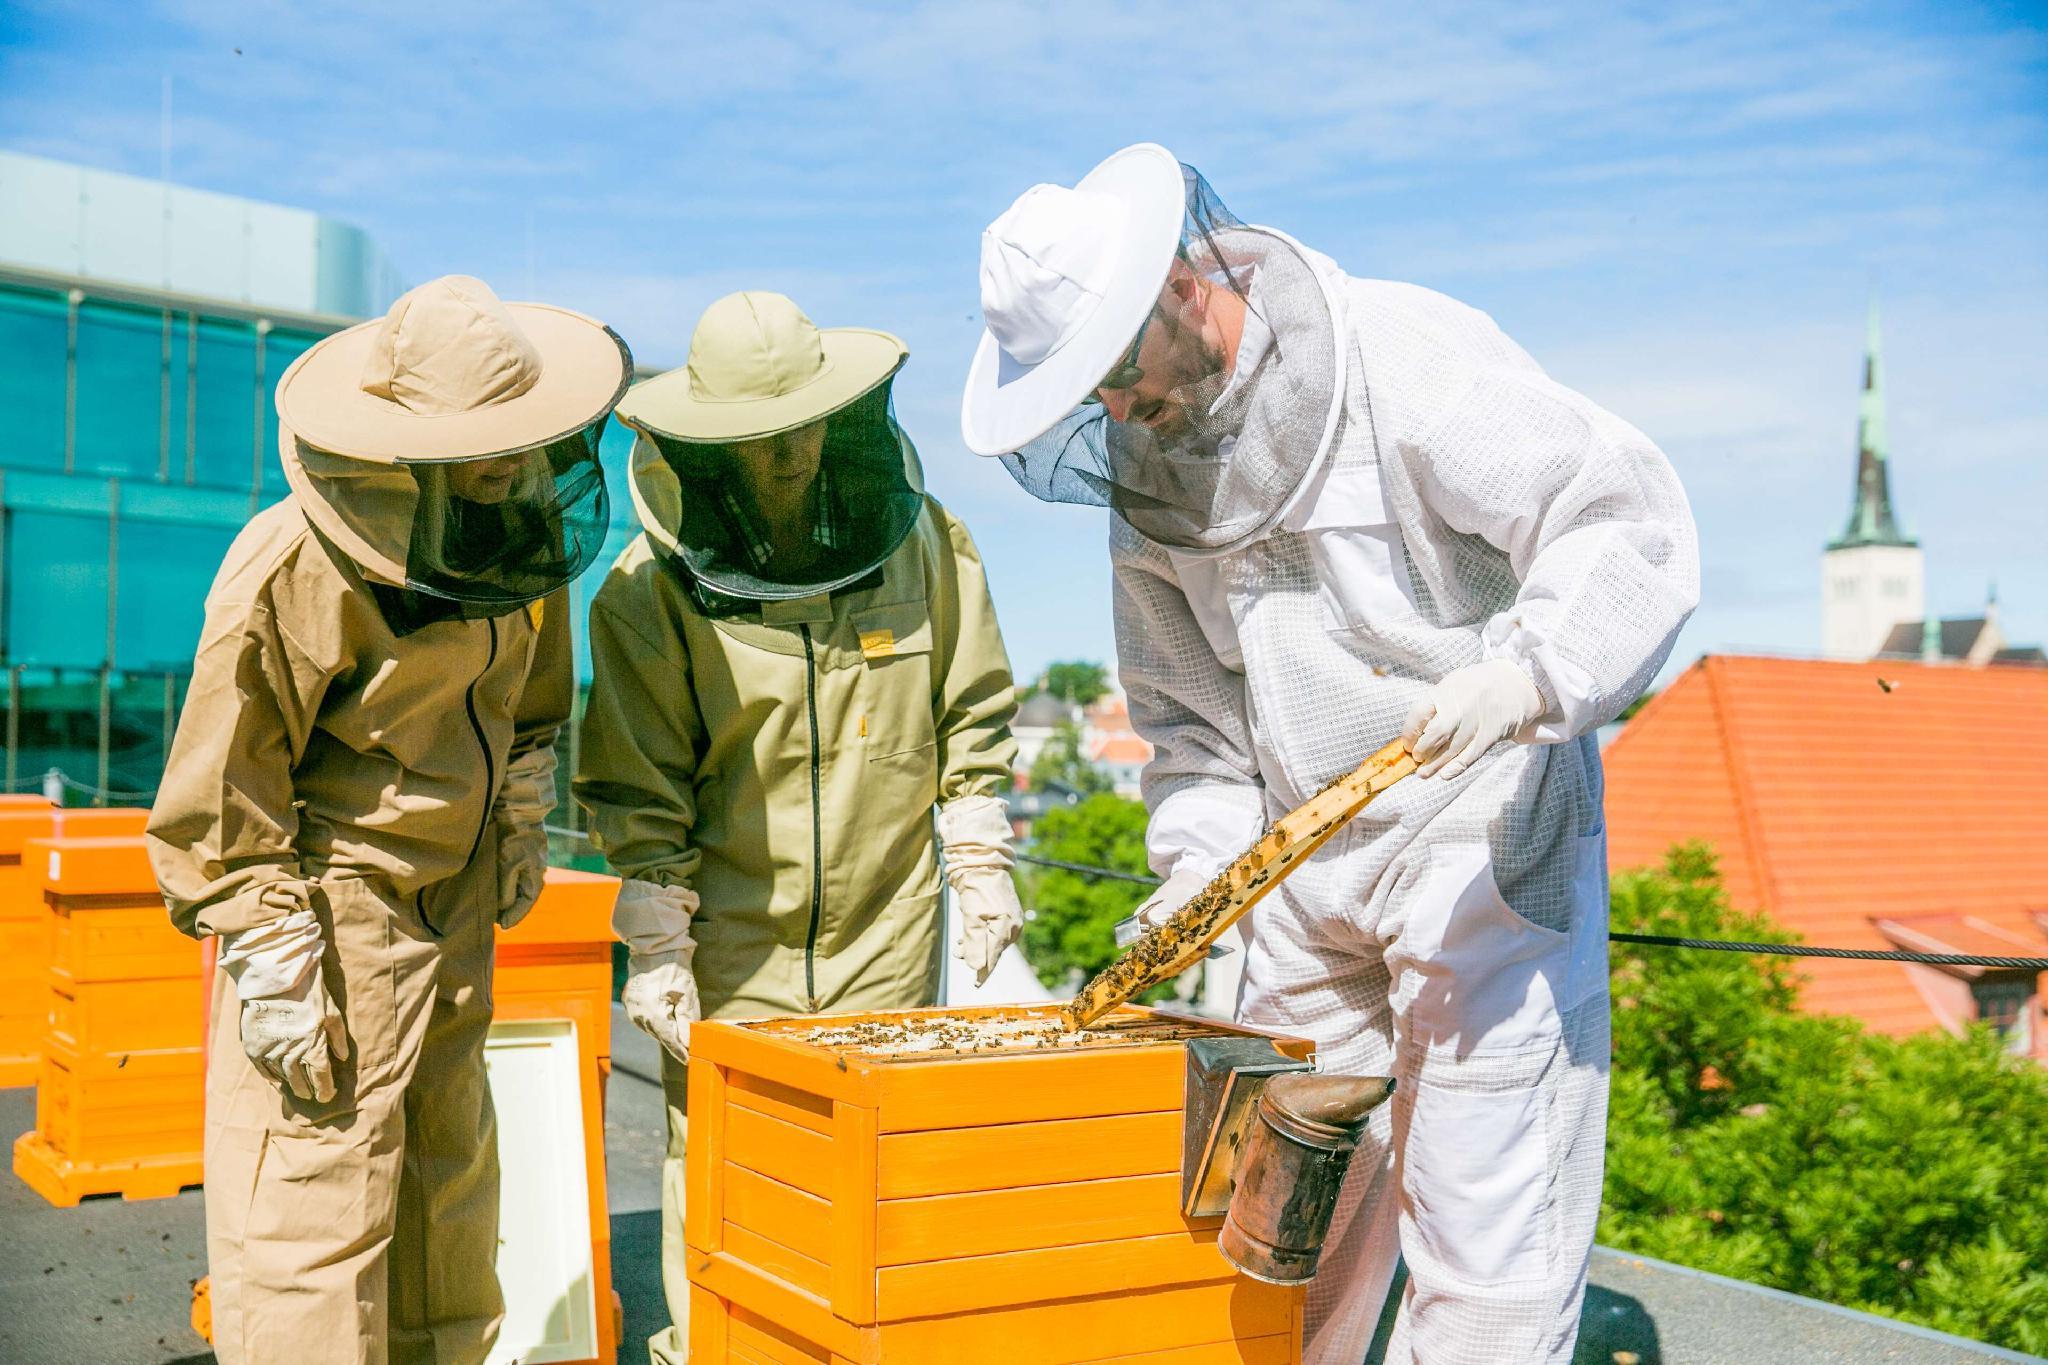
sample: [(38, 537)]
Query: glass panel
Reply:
[(120, 390), (615, 449), (32, 326), (227, 403), (166, 569), (56, 589), (135, 737), (60, 726), (280, 349), (181, 395)]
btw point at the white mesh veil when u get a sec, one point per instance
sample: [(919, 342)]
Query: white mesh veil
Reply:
[(1200, 441)]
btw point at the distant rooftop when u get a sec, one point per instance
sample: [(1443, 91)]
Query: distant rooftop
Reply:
[(80, 223), (1043, 712), (1956, 639), (1843, 798)]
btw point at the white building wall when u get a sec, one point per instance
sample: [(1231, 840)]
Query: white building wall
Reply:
[(1865, 591), (74, 220)]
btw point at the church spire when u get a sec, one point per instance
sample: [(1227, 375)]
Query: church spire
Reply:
[(1870, 512)]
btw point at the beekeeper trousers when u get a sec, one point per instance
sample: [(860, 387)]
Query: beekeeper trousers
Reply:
[(1483, 1172), (364, 1230)]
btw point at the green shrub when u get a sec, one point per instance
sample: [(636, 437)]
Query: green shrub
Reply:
[(1898, 1176)]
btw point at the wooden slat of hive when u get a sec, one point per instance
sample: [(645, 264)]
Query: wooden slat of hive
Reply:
[(1274, 1350), (751, 1345), (764, 1298), (944, 1227), (782, 1213), (856, 1151), (785, 1263), (722, 1331), (964, 1160), (973, 1284), (1105, 1325), (780, 1150), (779, 1101), (704, 1160), (1028, 1089), (756, 1052)]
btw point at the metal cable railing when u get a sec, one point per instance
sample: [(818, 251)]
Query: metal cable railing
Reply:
[(2025, 964)]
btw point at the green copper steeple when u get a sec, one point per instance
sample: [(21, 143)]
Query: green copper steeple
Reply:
[(1870, 512)]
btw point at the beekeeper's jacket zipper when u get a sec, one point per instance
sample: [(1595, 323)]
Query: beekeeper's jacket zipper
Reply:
[(483, 744), (817, 827)]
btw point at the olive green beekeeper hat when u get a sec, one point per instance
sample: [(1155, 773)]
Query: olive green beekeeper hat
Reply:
[(759, 369)]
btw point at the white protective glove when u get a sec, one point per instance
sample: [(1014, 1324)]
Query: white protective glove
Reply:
[(525, 799), (975, 831), (1470, 711), (660, 994), (290, 1027), (1177, 890)]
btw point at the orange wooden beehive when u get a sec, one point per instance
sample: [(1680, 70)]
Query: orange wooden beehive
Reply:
[(118, 1095), (24, 946), (557, 964), (850, 1204), (25, 927)]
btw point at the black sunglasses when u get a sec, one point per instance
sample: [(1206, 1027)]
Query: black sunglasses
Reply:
[(1127, 373)]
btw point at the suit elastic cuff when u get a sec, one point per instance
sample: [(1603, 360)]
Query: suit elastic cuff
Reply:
[(1564, 689), (255, 906)]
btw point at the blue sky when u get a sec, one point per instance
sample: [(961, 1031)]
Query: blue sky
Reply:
[(1678, 209)]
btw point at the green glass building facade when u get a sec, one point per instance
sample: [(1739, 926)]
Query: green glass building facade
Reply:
[(140, 437)]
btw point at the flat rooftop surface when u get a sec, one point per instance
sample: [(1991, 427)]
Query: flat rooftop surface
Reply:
[(112, 1281)]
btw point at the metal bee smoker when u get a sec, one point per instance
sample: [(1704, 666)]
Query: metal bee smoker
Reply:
[(1266, 1142)]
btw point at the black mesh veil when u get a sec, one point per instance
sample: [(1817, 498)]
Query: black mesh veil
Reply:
[(495, 533), (1190, 447), (806, 511)]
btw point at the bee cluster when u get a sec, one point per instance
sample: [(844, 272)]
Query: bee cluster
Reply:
[(913, 1036)]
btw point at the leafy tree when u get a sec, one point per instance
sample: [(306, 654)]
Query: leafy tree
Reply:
[(1628, 712), (1062, 761), (1069, 932), (1077, 681), (1898, 1176)]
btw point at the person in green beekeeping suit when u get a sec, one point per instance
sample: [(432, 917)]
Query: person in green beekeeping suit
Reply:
[(793, 665)]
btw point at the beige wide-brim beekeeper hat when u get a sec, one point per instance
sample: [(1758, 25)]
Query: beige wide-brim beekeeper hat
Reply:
[(452, 373), (758, 366)]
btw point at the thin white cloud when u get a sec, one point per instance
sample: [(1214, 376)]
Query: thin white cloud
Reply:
[(1675, 207)]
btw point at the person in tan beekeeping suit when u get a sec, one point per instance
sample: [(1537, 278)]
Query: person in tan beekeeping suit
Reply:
[(355, 798), (793, 665)]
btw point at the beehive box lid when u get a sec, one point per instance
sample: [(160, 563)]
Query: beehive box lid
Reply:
[(957, 1067), (900, 1037)]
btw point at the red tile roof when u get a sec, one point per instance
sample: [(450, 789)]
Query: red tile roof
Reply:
[(1122, 748), (1839, 794)]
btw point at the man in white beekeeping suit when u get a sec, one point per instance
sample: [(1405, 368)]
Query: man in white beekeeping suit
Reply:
[(1347, 510)]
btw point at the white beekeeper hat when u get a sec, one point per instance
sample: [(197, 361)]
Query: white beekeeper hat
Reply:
[(1068, 276)]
